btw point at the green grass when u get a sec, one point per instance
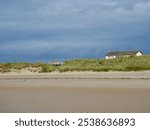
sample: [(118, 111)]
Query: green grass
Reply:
[(118, 64), (97, 65)]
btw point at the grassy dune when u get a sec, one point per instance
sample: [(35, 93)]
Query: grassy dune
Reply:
[(118, 64)]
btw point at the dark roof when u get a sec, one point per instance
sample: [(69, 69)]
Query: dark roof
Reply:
[(121, 53)]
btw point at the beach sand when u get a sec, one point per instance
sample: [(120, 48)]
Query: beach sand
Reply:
[(75, 93)]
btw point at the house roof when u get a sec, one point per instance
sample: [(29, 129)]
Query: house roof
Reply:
[(121, 53)]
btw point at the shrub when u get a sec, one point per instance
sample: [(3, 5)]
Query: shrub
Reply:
[(47, 68)]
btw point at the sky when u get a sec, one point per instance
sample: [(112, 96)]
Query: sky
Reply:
[(52, 30)]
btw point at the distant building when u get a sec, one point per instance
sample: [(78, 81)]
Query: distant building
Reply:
[(55, 63), (112, 55)]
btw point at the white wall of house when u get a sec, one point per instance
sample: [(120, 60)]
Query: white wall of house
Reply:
[(110, 57), (139, 54), (106, 57)]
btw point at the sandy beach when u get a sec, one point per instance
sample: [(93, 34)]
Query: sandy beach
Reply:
[(75, 92)]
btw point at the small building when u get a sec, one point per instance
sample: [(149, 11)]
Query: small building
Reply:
[(112, 55), (55, 63)]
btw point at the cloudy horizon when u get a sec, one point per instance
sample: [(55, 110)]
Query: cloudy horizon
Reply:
[(45, 30)]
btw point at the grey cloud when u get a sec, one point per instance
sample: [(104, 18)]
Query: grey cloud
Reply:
[(39, 27)]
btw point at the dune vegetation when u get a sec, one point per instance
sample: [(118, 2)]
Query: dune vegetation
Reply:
[(119, 64)]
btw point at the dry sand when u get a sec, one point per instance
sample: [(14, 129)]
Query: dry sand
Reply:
[(78, 75), (75, 92)]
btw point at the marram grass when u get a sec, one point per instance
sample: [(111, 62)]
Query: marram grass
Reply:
[(119, 64)]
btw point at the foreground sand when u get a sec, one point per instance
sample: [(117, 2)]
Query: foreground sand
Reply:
[(77, 75), (75, 92)]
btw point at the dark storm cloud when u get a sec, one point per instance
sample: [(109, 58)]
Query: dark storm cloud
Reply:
[(52, 29)]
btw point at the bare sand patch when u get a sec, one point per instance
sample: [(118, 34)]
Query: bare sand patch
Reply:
[(74, 95), (78, 75)]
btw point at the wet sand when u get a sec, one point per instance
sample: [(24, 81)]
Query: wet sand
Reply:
[(74, 95)]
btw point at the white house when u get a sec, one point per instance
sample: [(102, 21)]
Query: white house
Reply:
[(112, 55)]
